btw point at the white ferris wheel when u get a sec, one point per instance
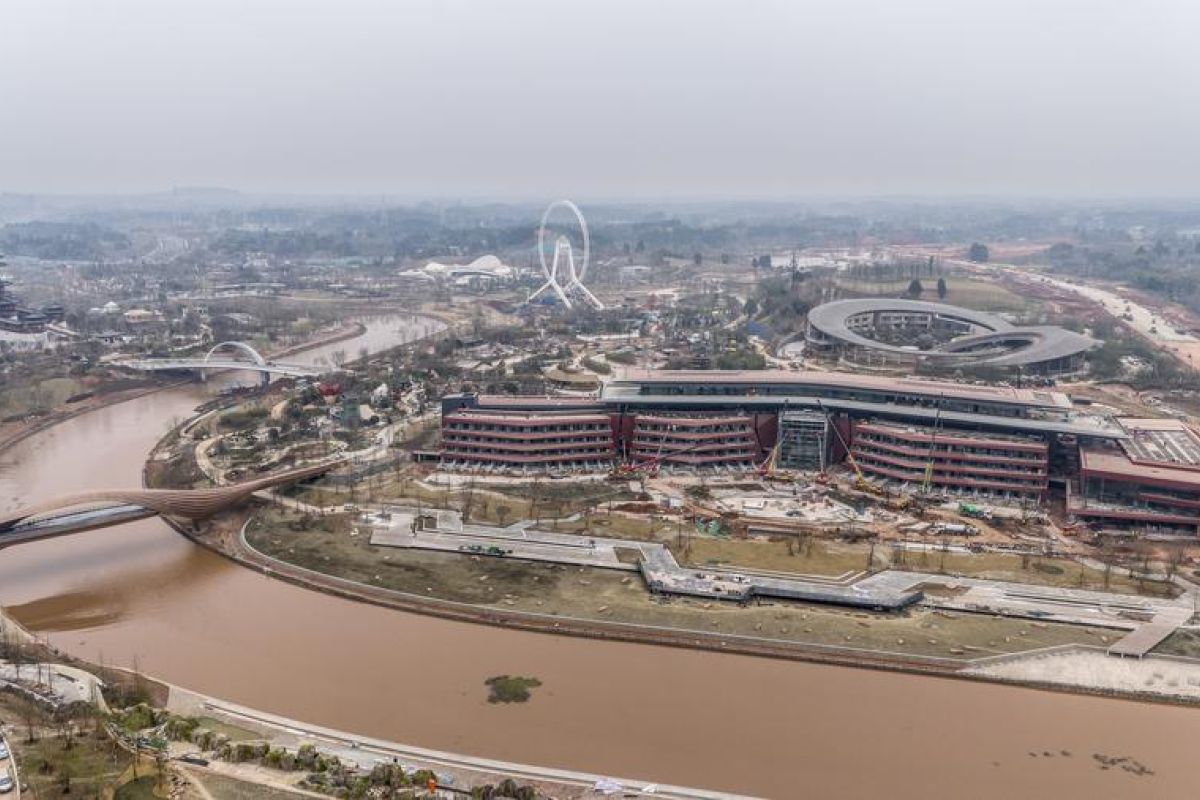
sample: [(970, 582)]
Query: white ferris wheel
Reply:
[(562, 264)]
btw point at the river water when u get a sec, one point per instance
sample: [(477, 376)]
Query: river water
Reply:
[(140, 593)]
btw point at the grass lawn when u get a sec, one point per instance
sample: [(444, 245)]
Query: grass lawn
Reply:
[(140, 789), (92, 764), (616, 526), (586, 593), (816, 557), (1181, 643), (824, 557), (500, 505), (226, 788), (447, 575), (1060, 572), (234, 732)]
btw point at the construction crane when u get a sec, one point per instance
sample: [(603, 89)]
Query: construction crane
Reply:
[(937, 419), (650, 465), (767, 468), (860, 482)]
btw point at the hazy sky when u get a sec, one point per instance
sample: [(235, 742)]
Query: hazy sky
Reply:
[(602, 98)]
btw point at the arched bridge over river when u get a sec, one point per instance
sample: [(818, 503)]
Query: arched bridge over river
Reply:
[(93, 509), (256, 363)]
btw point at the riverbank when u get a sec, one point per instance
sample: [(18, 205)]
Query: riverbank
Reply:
[(59, 415), (457, 769), (142, 594), (345, 332), (9, 439), (228, 540)]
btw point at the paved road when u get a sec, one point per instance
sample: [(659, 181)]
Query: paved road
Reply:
[(366, 752), (1047, 603), (57, 682), (9, 765)]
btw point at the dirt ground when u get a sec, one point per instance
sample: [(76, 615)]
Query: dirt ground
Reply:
[(1181, 643)]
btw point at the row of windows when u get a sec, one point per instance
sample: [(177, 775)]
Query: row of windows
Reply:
[(1036, 468), (949, 451), (742, 428), (455, 425), (916, 476), (532, 439), (457, 452)]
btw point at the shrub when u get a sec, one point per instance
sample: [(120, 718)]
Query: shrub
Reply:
[(510, 688)]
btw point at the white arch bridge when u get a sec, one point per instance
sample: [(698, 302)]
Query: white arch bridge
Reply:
[(256, 363)]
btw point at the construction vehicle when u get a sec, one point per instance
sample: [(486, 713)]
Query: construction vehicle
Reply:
[(972, 510), (860, 481), (767, 468), (625, 472)]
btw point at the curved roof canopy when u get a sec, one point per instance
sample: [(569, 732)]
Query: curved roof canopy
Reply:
[(1000, 343)]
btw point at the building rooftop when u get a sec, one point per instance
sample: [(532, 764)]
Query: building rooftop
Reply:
[(547, 402), (1000, 343), (1086, 426), (1114, 463), (1161, 442), (1036, 398)]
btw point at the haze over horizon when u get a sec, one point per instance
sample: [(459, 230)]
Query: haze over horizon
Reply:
[(762, 99)]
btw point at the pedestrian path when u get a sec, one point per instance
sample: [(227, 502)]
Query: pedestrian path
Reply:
[(444, 530)]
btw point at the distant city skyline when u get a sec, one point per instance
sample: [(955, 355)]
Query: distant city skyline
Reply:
[(534, 99)]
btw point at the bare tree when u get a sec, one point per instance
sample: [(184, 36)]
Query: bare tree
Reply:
[(468, 502), (30, 718)]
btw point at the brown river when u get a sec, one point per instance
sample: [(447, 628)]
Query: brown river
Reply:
[(141, 593)]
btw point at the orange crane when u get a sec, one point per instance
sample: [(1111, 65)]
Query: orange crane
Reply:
[(767, 468), (860, 482)]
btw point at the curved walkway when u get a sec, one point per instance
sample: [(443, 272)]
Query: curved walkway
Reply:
[(189, 503)]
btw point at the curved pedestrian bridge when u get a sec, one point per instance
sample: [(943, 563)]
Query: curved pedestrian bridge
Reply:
[(110, 506), (256, 362)]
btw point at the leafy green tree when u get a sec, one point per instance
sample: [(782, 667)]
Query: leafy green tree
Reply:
[(915, 288), (941, 288), (978, 253)]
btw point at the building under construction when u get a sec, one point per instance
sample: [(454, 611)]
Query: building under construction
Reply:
[(954, 461), (1146, 483), (803, 441), (691, 440), (981, 439)]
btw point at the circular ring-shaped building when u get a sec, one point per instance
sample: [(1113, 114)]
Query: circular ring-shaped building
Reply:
[(899, 334)]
